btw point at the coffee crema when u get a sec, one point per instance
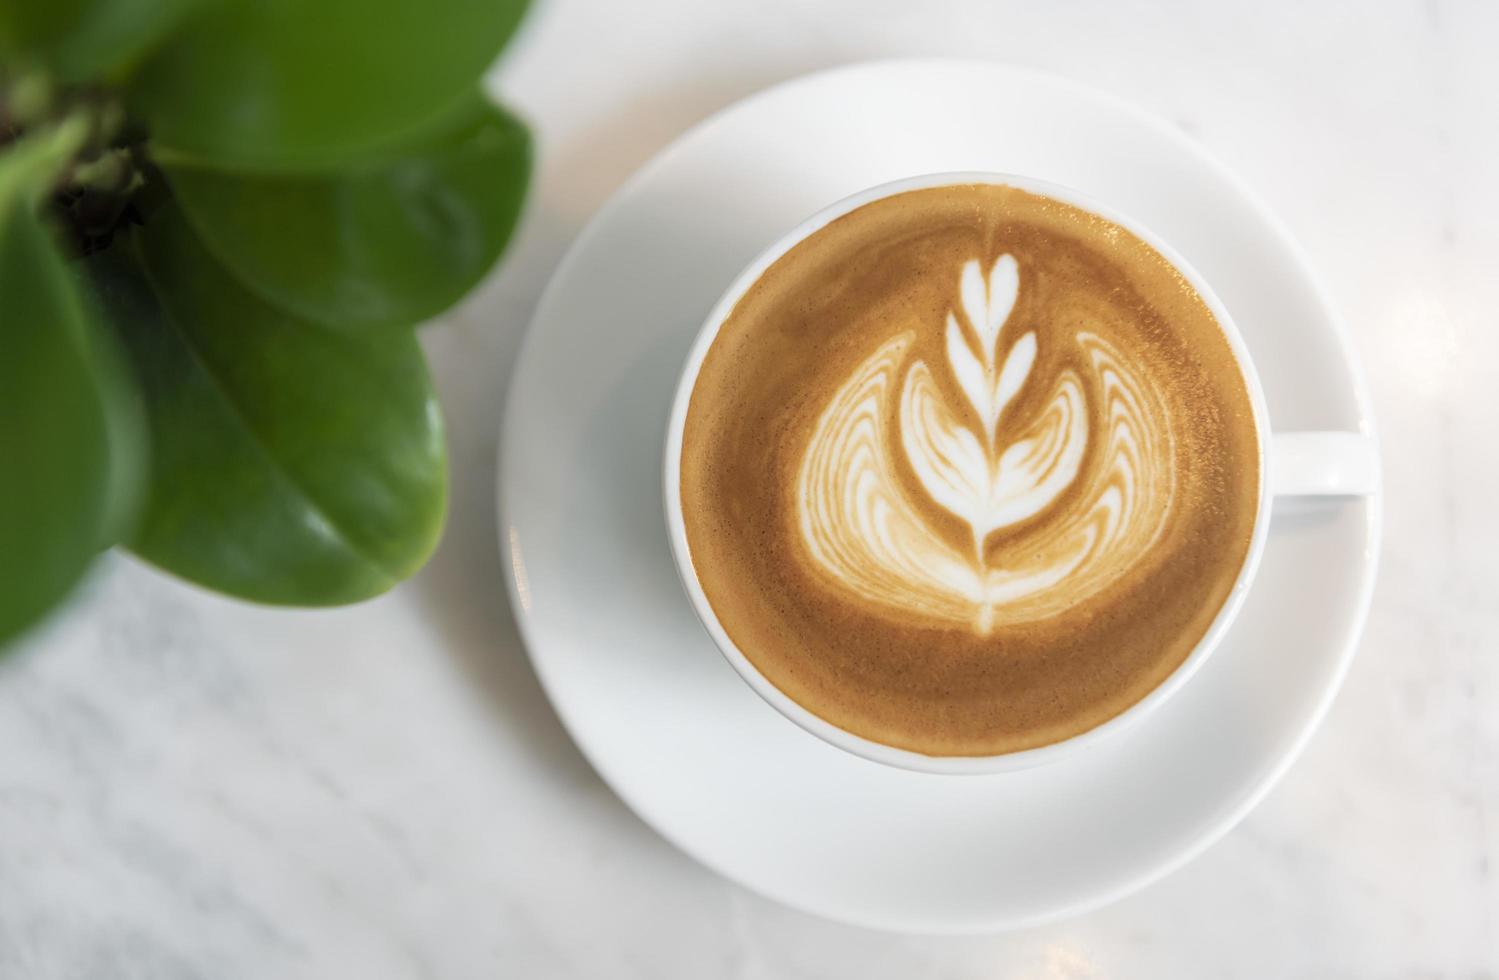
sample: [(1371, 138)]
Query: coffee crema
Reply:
[(969, 470)]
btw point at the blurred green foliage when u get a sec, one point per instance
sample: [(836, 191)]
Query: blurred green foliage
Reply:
[(220, 221)]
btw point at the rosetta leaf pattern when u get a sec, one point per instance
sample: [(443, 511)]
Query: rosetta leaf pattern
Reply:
[(871, 537), (965, 472)]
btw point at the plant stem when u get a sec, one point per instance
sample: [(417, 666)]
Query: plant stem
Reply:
[(32, 165)]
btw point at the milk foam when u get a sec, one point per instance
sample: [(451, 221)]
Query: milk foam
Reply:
[(1091, 470)]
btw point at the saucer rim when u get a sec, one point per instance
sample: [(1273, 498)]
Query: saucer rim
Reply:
[(514, 572)]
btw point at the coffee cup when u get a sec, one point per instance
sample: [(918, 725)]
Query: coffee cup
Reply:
[(989, 500)]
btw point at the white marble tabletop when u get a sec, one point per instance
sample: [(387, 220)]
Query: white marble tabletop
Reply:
[(191, 787)]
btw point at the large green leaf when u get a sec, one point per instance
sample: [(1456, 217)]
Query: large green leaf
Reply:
[(290, 463), (69, 429), (298, 84), (392, 242), (81, 39)]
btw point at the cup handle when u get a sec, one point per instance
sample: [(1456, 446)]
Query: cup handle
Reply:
[(1323, 464)]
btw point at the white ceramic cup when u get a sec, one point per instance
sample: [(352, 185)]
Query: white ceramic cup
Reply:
[(1291, 463)]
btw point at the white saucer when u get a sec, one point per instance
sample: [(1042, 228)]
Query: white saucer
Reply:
[(666, 721)]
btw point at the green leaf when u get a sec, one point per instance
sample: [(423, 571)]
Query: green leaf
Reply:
[(291, 463), (297, 85), (83, 39), (70, 443), (396, 242)]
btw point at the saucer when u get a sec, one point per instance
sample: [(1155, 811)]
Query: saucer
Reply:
[(654, 706)]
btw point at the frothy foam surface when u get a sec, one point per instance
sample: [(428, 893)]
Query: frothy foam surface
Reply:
[(969, 470)]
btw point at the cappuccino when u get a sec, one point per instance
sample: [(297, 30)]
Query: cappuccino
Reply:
[(969, 470)]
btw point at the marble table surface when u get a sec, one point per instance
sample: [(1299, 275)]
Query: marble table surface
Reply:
[(191, 787)]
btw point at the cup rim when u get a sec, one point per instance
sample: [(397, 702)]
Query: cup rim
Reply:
[(878, 751)]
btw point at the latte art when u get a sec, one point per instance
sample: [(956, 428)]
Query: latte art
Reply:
[(867, 537), (968, 470)]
